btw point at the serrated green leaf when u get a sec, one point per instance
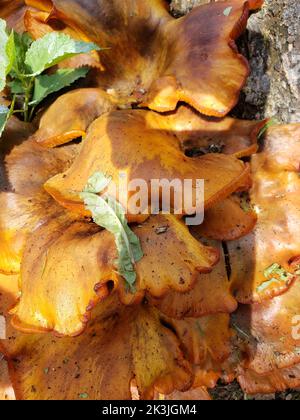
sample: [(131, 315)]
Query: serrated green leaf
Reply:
[(45, 85), (10, 52), (21, 43), (4, 59), (4, 113), (110, 215), (53, 48)]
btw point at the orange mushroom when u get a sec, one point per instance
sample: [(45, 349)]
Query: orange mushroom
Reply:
[(270, 343), (201, 135), (165, 70), (275, 240), (271, 327), (227, 221), (55, 247), (206, 344), (171, 334), (210, 295), (276, 381), (196, 133), (67, 267), (71, 115), (125, 345), (24, 203), (124, 142)]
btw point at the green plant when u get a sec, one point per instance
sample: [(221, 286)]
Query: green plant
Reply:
[(23, 63), (110, 215)]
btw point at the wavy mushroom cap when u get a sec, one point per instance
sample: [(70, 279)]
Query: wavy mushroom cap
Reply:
[(128, 142), (151, 58), (227, 220), (66, 274), (206, 343), (127, 345), (273, 340), (203, 299), (174, 333), (275, 240)]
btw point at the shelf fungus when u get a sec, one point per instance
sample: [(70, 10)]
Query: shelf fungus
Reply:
[(276, 381), (206, 343), (202, 300), (100, 301), (264, 262), (271, 344), (67, 269), (228, 220), (151, 58), (130, 344), (108, 148), (25, 205), (274, 338), (268, 328)]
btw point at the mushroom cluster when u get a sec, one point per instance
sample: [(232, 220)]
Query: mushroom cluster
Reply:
[(218, 301)]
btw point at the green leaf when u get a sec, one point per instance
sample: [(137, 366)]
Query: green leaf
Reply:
[(245, 202), (53, 48), (16, 87), (266, 284), (274, 274), (228, 11), (110, 215), (21, 43), (84, 396), (5, 62), (13, 48), (45, 85), (4, 113), (10, 52), (270, 270), (276, 270), (265, 128), (98, 183)]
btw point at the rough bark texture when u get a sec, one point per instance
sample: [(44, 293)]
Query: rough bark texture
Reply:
[(272, 45)]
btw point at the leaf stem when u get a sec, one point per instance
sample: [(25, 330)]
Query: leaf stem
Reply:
[(12, 107), (32, 112), (28, 94)]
